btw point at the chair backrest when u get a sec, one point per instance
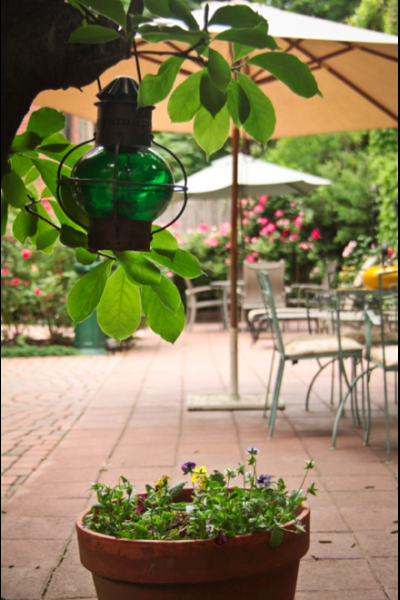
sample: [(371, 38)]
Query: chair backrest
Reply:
[(267, 296), (369, 263), (329, 273), (251, 294), (189, 284)]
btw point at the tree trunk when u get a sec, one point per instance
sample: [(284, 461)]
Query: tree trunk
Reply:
[(36, 56)]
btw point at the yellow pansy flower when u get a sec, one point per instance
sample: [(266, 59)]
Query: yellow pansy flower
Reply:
[(199, 476)]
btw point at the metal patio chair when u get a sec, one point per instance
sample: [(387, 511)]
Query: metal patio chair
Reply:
[(193, 303), (298, 348), (380, 353)]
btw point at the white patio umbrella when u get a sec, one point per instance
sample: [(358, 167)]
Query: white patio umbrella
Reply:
[(256, 177)]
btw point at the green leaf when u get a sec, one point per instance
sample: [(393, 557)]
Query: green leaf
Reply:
[(31, 176), (25, 142), (176, 489), (139, 268), (46, 121), (21, 164), (47, 239), (183, 264), (168, 293), (219, 70), (155, 88), (76, 5), (120, 309), (112, 9), (25, 225), (62, 217), (33, 190), (182, 12), (160, 8), (137, 20), (248, 37), (211, 134), (73, 238), (212, 99), (59, 142), (184, 102), (42, 226), (262, 120), (86, 294), (48, 170), (14, 190), (46, 193), (290, 70), (164, 242), (4, 215), (93, 34), (163, 33), (84, 257), (161, 320), (54, 148), (238, 104), (240, 51), (241, 17), (276, 537), (71, 206)]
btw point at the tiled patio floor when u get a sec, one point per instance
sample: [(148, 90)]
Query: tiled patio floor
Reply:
[(69, 421)]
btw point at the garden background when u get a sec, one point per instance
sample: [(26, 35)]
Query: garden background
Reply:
[(331, 224)]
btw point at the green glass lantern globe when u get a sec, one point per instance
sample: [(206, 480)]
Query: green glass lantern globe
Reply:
[(122, 184)]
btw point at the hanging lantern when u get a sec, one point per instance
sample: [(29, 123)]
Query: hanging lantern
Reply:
[(122, 184)]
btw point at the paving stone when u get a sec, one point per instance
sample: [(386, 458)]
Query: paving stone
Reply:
[(336, 575), (23, 584), (388, 571), (71, 581)]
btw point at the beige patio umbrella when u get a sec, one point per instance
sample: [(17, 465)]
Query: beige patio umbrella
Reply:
[(356, 71)]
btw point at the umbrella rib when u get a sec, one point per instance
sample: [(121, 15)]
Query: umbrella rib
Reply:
[(351, 85), (376, 53), (145, 56)]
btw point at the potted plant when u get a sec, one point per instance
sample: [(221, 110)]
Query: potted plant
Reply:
[(216, 540)]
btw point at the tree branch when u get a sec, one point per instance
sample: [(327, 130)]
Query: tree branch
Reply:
[(36, 56)]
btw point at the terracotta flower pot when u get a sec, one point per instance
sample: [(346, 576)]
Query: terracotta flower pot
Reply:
[(245, 567)]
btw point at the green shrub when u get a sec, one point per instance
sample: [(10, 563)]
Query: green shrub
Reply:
[(26, 351)]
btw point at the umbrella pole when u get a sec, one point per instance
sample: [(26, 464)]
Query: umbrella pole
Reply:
[(233, 330)]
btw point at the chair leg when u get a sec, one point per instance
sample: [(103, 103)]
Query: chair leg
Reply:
[(274, 406), (257, 330), (333, 384), (322, 368), (369, 420), (269, 382), (193, 313), (396, 393), (387, 418), (340, 410), (356, 416)]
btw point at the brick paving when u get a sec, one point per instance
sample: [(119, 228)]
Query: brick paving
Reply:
[(68, 421)]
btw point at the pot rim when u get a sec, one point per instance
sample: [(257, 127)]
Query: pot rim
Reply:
[(304, 506)]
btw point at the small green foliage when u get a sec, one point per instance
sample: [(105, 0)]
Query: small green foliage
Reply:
[(160, 318), (27, 351), (217, 512), (138, 268), (256, 38), (211, 133), (24, 226), (14, 190), (86, 294), (45, 122), (155, 88), (47, 239), (84, 257), (73, 238), (93, 34), (219, 70), (183, 263), (240, 17), (184, 102), (112, 10), (120, 311), (262, 120)]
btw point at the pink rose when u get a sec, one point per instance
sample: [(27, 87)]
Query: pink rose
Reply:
[(227, 261), (5, 272), (170, 274), (26, 253), (303, 245), (7, 238), (259, 208), (27, 283), (38, 291), (263, 200), (202, 228), (245, 221), (312, 246), (316, 234), (246, 213), (34, 268), (316, 270), (247, 240), (293, 204), (294, 237), (270, 228), (285, 232), (251, 202), (225, 229), (260, 260), (283, 239), (254, 240), (15, 281), (228, 246), (244, 202), (255, 254), (279, 213), (250, 259)]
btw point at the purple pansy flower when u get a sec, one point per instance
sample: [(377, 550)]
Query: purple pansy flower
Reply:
[(220, 539), (252, 450), (140, 503), (188, 467), (264, 481)]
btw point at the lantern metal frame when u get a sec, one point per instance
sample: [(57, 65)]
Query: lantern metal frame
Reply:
[(171, 186)]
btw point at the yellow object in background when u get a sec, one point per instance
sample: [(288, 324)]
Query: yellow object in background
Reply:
[(371, 278)]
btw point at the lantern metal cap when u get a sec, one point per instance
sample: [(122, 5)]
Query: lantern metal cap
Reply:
[(121, 89)]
